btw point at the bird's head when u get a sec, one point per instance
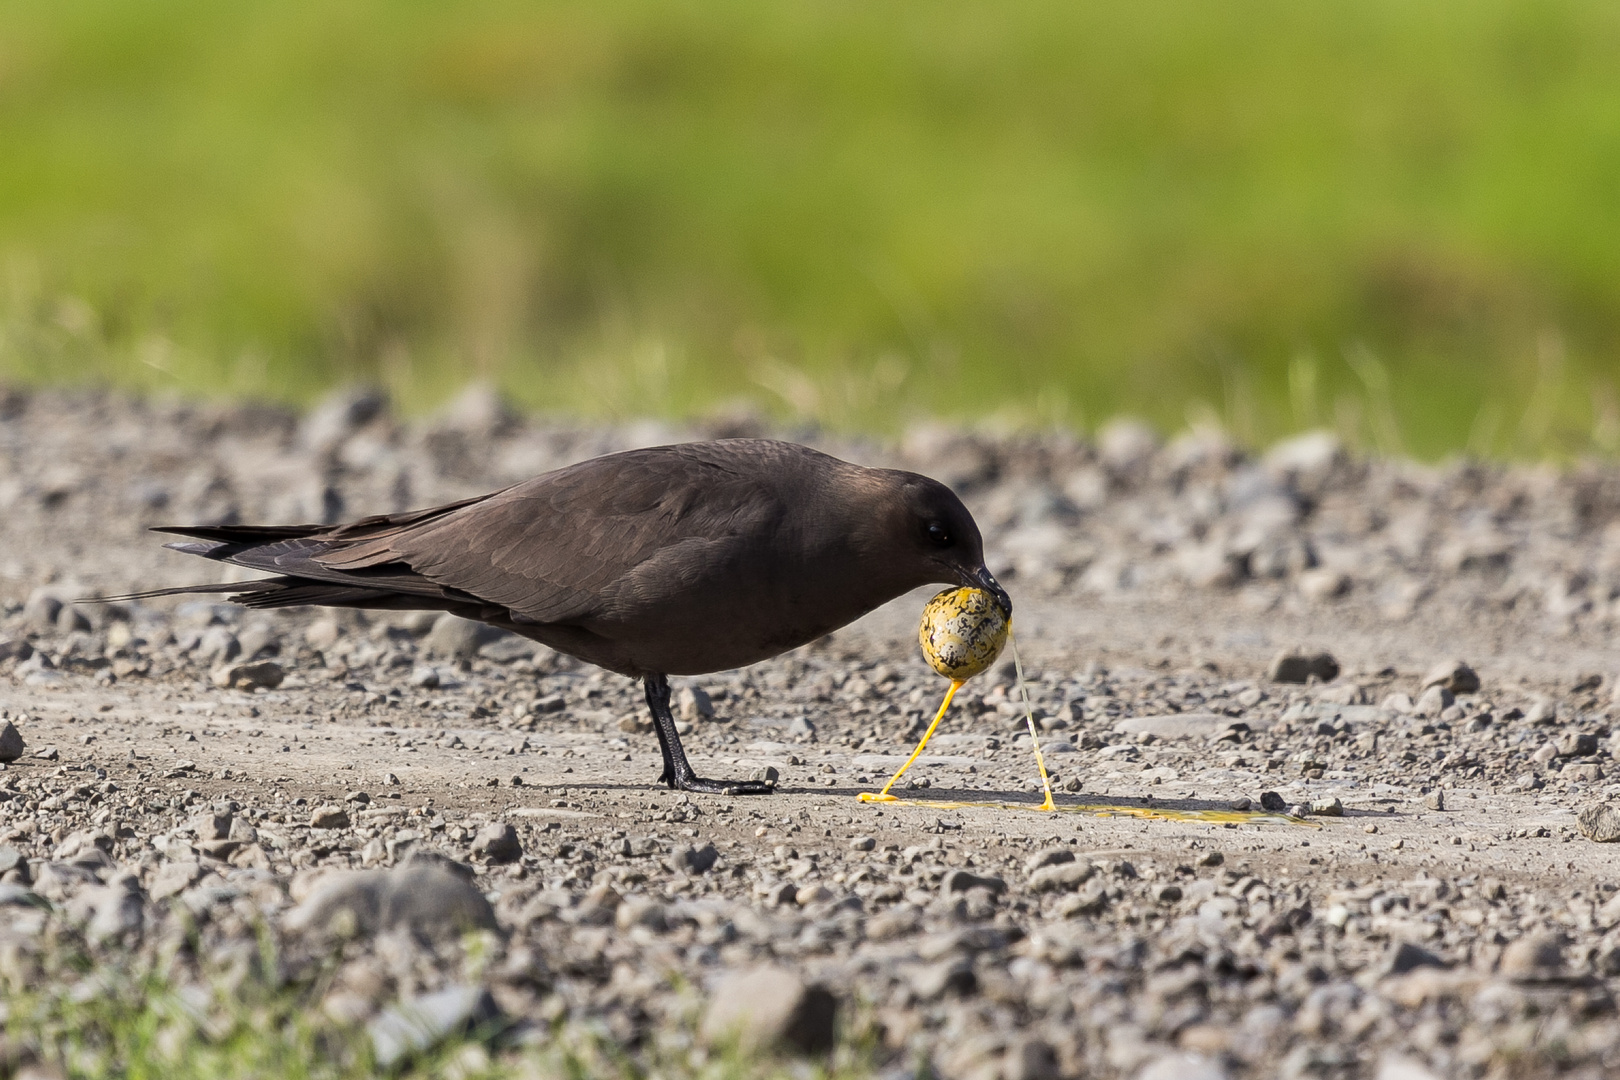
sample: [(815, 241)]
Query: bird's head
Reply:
[(942, 536)]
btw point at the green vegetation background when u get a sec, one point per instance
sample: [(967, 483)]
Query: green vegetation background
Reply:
[(1397, 217)]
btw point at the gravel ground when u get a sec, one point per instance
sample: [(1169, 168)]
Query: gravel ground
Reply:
[(366, 789)]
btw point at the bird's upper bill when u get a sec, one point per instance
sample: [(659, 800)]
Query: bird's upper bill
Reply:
[(983, 579)]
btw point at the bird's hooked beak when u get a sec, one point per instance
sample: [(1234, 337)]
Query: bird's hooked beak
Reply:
[(986, 581)]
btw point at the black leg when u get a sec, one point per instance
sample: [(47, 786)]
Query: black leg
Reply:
[(678, 772)]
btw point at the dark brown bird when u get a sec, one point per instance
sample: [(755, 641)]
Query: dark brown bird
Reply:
[(675, 560)]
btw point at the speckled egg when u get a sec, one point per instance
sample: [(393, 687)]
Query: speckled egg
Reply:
[(962, 632)]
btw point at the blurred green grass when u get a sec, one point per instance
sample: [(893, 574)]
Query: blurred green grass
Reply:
[(1396, 217)]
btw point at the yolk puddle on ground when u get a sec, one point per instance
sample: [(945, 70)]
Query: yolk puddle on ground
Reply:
[(1048, 804)]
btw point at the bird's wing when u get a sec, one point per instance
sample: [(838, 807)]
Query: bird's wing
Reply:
[(565, 547)]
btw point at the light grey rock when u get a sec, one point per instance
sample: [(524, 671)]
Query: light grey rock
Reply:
[(697, 860), (1434, 701), (1300, 667), (1322, 583), (1599, 822), (339, 415), (1030, 1059), (508, 649), (455, 638), (41, 610), (1048, 857), (497, 842), (329, 817), (1183, 1066), (1126, 444), (422, 897), (639, 911), (952, 975), (416, 1026), (260, 674), (692, 703), (1577, 744), (960, 881), (1454, 675), (1533, 957), (218, 646), (115, 910), (1191, 725), (1399, 1067), (174, 878), (1542, 711), (771, 1007), (1060, 877), (258, 640), (1407, 957)]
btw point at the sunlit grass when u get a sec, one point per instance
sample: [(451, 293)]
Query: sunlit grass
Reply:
[(1394, 218), (117, 1023)]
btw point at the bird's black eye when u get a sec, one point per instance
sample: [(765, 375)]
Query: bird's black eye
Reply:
[(939, 535)]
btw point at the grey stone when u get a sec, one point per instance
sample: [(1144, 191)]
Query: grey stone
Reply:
[(258, 639), (1407, 957), (1047, 857), (1542, 711), (692, 703), (13, 895), (12, 746), (174, 878), (212, 826), (862, 843), (1577, 744), (422, 897), (1454, 675), (1060, 877), (961, 881), (508, 649), (698, 860), (329, 817), (1183, 1066), (1533, 957), (1327, 807), (1126, 444), (1434, 701), (115, 910), (260, 674), (497, 842), (953, 975), (1398, 1067), (41, 610), (13, 860), (1193, 725), (771, 1007), (1599, 822), (218, 646), (339, 415), (1030, 1059), (1435, 800), (1300, 667), (455, 638), (639, 911), (416, 1026)]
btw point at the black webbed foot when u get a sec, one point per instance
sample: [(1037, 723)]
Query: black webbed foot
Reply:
[(722, 787)]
